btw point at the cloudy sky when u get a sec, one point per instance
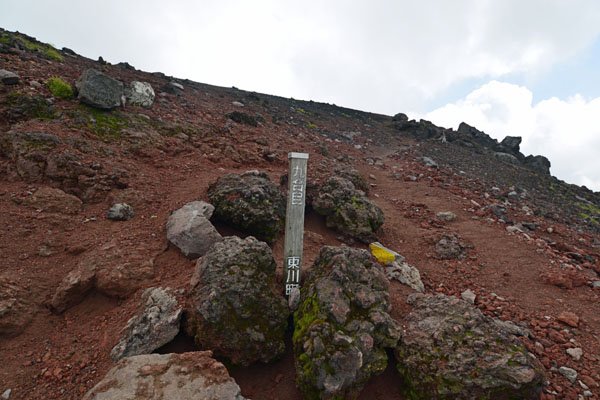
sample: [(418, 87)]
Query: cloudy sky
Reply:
[(528, 68)]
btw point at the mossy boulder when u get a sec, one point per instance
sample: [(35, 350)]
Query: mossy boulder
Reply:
[(249, 202), (450, 350), (59, 88), (342, 326), (235, 309), (348, 210)]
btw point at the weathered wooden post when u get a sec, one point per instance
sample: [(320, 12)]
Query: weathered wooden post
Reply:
[(294, 220)]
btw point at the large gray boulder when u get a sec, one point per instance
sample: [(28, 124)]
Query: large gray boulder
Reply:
[(235, 308), (249, 202), (450, 350), (99, 90), (186, 376), (156, 324), (8, 77), (140, 94), (512, 144), (348, 210), (190, 230), (342, 326)]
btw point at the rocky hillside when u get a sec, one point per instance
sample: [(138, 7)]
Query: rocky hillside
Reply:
[(142, 248)]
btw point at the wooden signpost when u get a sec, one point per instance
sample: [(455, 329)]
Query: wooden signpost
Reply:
[(294, 220)]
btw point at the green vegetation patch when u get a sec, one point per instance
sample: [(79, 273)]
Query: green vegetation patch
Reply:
[(21, 106), (106, 124), (59, 88), (590, 213), (10, 39)]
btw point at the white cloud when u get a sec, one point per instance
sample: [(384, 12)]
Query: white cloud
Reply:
[(566, 131)]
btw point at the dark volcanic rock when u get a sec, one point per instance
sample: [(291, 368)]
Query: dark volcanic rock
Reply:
[(249, 202), (8, 77), (353, 176), (512, 144), (243, 118), (155, 325), (348, 210), (342, 325), (538, 163), (186, 376), (450, 350), (99, 90), (450, 246), (235, 308), (120, 212)]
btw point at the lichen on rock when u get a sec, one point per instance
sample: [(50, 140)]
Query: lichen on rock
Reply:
[(249, 202), (348, 210), (235, 309), (450, 350), (342, 326)]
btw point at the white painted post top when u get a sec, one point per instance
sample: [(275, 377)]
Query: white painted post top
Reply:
[(298, 155)]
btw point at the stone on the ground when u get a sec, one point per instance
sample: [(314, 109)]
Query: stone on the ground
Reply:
[(6, 394), (342, 326), (120, 212), (450, 350), (243, 118), (429, 162), (468, 296), (8, 77), (249, 202), (447, 216), (568, 373), (575, 353), (353, 176), (140, 94), (569, 318), (156, 324), (99, 90), (173, 88), (53, 200), (190, 230), (16, 311), (116, 269), (348, 210), (404, 273), (236, 309), (449, 246), (186, 376)]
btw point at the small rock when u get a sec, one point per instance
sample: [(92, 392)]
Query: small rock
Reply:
[(469, 296), (6, 394), (569, 318), (156, 325), (120, 212), (568, 373), (587, 393), (449, 246), (405, 274), (447, 216), (238, 104), (514, 229), (576, 353), (596, 284), (429, 162), (8, 77)]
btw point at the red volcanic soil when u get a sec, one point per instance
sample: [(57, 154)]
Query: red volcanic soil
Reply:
[(529, 278)]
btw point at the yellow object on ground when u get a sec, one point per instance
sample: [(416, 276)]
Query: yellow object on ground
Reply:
[(382, 253)]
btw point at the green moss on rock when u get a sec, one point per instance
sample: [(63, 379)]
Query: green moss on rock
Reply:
[(59, 88)]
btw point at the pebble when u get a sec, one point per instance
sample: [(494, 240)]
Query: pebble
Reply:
[(238, 104), (120, 212), (575, 353), (446, 216), (569, 318), (568, 373), (6, 394), (469, 296)]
